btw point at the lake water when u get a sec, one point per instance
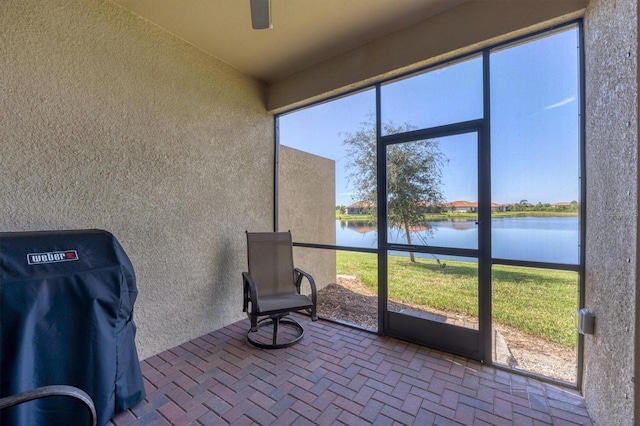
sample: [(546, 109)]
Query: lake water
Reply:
[(539, 239)]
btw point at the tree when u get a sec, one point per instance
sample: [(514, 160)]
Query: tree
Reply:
[(414, 176), (522, 205)]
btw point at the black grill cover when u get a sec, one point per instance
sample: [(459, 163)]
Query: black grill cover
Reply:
[(66, 312)]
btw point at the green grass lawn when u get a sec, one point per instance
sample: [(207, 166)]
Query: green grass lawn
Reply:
[(537, 301)]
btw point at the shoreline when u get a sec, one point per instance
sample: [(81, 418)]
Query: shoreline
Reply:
[(452, 217)]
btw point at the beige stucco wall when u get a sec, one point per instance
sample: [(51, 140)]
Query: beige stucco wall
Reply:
[(306, 207), (611, 44), (108, 122)]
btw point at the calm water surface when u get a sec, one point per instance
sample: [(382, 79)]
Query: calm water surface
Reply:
[(540, 239)]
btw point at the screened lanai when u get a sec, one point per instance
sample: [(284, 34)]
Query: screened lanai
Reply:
[(159, 122)]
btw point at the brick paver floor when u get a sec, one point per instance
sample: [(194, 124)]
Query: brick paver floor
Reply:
[(338, 375)]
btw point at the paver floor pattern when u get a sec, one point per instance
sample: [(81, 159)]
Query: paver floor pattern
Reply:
[(338, 375)]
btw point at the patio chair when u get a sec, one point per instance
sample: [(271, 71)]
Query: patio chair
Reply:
[(271, 289), (52, 391)]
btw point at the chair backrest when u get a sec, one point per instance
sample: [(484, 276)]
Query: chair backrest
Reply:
[(270, 257)]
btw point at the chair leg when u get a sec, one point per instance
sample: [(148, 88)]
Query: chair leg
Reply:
[(276, 322)]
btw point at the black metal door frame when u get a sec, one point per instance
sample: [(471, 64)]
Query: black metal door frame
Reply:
[(470, 343), (463, 341)]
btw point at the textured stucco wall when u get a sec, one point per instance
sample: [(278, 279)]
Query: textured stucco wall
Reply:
[(108, 122), (611, 48), (306, 206)]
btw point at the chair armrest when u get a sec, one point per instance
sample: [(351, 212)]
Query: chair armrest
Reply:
[(299, 274), (55, 390), (250, 292), (302, 274)]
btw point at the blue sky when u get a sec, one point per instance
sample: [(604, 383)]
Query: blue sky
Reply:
[(534, 121)]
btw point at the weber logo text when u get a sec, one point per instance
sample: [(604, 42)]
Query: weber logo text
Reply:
[(52, 257)]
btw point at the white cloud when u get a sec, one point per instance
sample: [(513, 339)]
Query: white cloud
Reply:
[(561, 103)]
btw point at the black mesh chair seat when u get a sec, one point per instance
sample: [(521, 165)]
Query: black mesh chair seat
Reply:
[(271, 289), (286, 302)]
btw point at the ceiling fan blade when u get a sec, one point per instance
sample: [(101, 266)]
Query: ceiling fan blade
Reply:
[(260, 14)]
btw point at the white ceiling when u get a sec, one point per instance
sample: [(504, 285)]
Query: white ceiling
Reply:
[(304, 33)]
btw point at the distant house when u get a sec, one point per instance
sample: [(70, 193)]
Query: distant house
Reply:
[(565, 207), (361, 207), (462, 206), (561, 205), (459, 206)]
